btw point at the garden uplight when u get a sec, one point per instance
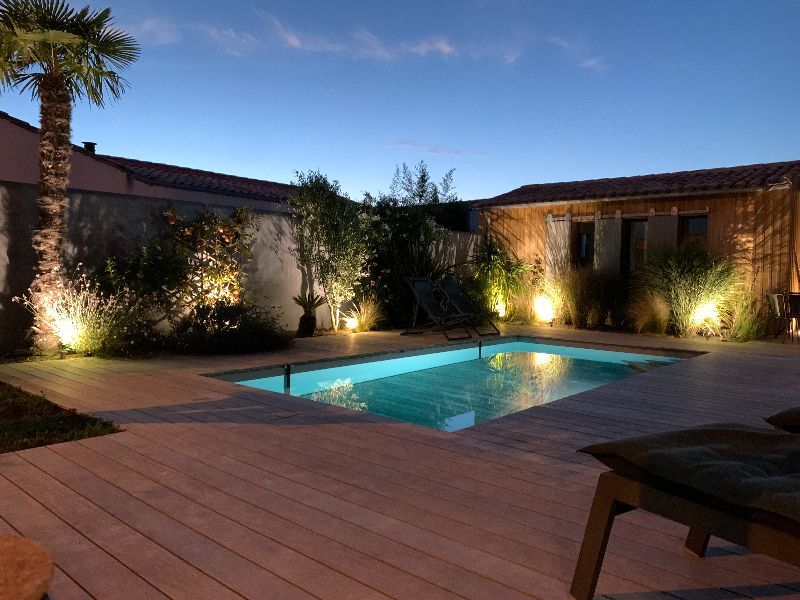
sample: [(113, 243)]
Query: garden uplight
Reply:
[(704, 313), (351, 323), (544, 309), (500, 308)]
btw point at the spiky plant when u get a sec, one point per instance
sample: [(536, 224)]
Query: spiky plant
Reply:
[(59, 55)]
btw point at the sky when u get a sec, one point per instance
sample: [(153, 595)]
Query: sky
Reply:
[(506, 92)]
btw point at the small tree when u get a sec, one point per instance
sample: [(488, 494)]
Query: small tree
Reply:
[(330, 237), (417, 187)]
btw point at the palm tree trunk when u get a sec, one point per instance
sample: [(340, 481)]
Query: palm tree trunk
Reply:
[(54, 162)]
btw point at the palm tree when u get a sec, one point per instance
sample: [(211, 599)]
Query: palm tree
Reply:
[(60, 55)]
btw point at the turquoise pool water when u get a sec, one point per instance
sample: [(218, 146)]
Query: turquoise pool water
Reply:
[(454, 389)]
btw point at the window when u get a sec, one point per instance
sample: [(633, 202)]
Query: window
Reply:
[(634, 246), (582, 251), (693, 230)]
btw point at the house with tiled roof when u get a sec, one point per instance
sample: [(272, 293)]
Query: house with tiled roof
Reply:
[(113, 205), (750, 212)]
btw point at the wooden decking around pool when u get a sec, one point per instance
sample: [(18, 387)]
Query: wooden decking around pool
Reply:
[(216, 491)]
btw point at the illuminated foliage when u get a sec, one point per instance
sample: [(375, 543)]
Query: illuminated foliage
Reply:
[(329, 233), (694, 284)]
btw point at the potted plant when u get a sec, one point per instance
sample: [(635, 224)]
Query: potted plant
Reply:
[(309, 302)]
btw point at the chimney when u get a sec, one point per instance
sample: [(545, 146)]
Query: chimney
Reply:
[(90, 147)]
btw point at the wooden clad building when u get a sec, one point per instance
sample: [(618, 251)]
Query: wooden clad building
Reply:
[(748, 212)]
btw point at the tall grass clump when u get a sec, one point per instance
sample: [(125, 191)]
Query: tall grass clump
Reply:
[(743, 318), (648, 312), (584, 297), (695, 285), (367, 314)]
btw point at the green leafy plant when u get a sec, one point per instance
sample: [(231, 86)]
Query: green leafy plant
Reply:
[(329, 232), (695, 285), (500, 276), (309, 302), (225, 328)]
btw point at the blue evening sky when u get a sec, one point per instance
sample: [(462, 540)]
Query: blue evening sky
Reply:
[(507, 92)]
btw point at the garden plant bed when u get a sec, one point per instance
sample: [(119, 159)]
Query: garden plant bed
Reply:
[(28, 421)]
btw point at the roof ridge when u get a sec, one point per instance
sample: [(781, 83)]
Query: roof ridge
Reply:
[(147, 163), (684, 172)]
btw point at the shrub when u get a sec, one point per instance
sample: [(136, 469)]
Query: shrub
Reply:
[(223, 328), (499, 275), (84, 319), (695, 285)]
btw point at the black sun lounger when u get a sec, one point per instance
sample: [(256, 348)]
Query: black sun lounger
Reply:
[(439, 319)]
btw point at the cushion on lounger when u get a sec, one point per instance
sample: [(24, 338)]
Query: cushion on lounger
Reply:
[(748, 467), (788, 420)]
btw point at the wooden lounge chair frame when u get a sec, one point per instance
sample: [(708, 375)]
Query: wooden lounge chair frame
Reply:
[(451, 290), (617, 494), (440, 319)]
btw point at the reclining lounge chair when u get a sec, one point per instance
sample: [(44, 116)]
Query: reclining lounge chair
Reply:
[(439, 318), (736, 482), (452, 293)]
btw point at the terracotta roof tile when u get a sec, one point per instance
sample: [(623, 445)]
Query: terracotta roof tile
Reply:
[(747, 177), (202, 181)]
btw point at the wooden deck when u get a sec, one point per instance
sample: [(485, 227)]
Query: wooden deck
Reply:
[(216, 491)]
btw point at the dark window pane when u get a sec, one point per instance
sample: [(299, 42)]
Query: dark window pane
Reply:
[(694, 230)]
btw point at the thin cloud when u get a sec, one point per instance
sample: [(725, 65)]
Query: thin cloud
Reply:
[(439, 44), (592, 63), (595, 64), (154, 31), (367, 45), (360, 43), (302, 41), (230, 41), (437, 149)]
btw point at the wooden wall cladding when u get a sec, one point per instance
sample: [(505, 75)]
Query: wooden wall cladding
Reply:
[(757, 228)]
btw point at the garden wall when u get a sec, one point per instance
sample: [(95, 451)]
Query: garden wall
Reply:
[(100, 225)]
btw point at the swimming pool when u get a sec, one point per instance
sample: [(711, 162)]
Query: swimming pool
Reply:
[(453, 388)]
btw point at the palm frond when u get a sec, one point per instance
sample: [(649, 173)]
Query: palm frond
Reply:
[(83, 47)]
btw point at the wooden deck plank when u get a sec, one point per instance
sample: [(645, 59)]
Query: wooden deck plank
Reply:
[(236, 488)]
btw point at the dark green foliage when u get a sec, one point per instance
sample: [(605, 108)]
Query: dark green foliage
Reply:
[(28, 421), (402, 243), (418, 188), (224, 328), (498, 275), (329, 232), (309, 302)]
